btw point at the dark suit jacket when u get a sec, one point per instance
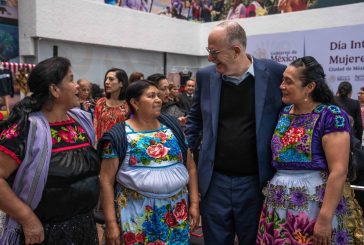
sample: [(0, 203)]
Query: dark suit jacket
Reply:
[(352, 107), (203, 116), (184, 102)]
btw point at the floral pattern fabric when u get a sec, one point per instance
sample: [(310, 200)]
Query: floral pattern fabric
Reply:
[(106, 116), (294, 196), (66, 135), (158, 219), (151, 220), (296, 142)]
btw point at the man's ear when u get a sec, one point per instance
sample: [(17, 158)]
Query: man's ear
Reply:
[(237, 50)]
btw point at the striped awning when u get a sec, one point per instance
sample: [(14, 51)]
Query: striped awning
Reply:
[(14, 67)]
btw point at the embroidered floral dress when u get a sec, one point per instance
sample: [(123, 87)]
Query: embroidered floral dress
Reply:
[(294, 196), (106, 116), (72, 188), (151, 193)]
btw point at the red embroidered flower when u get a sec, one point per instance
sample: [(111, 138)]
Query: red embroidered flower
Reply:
[(72, 132), (81, 130), (180, 157), (129, 238), (140, 237), (292, 136), (180, 211), (54, 141), (65, 136), (170, 219), (157, 151), (133, 160), (162, 136), (149, 209)]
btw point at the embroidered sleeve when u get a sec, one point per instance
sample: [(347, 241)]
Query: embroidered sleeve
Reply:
[(13, 142), (336, 120), (108, 151)]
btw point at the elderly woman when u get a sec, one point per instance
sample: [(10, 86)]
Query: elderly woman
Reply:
[(146, 169), (113, 108), (309, 200), (48, 166)]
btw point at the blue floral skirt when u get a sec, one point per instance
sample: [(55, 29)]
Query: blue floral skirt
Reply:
[(293, 199), (155, 221)]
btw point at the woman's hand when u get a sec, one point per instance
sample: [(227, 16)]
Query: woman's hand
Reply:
[(112, 233), (33, 230), (322, 232), (194, 213)]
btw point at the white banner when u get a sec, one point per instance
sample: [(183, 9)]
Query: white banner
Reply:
[(341, 52), (281, 47)]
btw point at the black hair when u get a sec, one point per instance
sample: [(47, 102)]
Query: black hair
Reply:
[(122, 77), (362, 88), (96, 91), (156, 78), (136, 89), (312, 71), (48, 72), (344, 89)]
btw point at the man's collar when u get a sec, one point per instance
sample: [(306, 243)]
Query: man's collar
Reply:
[(238, 79)]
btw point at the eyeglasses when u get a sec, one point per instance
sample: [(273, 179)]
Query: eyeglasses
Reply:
[(360, 93), (214, 53)]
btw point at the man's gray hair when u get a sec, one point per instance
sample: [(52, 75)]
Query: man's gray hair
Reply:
[(235, 34)]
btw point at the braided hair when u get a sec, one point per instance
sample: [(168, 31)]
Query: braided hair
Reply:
[(312, 71), (344, 89)]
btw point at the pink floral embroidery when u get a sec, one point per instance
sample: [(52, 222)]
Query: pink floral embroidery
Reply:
[(72, 133), (65, 136), (10, 132), (81, 130), (157, 151), (180, 211), (162, 136)]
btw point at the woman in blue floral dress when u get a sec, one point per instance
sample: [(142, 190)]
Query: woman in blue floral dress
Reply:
[(309, 200), (145, 173)]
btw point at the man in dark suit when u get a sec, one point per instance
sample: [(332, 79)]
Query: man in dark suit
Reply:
[(185, 98), (236, 106)]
